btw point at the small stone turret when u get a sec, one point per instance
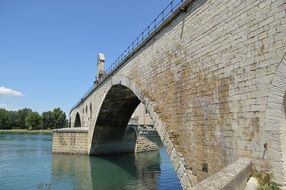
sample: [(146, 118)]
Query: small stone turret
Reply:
[(100, 67)]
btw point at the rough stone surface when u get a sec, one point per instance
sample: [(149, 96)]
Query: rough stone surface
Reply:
[(70, 141), (213, 81), (233, 177), (150, 133), (145, 145)]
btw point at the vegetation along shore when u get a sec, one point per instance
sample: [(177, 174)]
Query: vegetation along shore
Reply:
[(31, 120)]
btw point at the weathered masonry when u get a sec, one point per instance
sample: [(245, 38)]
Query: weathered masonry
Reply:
[(212, 77)]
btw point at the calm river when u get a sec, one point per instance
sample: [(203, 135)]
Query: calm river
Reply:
[(26, 162)]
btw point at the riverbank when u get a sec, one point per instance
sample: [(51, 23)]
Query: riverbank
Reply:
[(25, 131)]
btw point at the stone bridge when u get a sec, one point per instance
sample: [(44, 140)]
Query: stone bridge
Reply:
[(212, 76)]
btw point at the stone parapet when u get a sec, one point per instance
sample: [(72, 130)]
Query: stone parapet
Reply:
[(234, 176)]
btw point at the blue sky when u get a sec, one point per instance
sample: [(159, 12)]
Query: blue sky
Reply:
[(48, 48)]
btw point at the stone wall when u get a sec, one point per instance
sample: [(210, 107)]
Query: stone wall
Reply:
[(213, 81), (70, 141)]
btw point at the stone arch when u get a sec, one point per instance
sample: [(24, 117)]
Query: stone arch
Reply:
[(132, 129), (90, 110), (275, 130), (129, 138), (122, 84), (112, 120), (77, 122)]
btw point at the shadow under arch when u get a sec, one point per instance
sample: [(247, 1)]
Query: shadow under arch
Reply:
[(77, 122), (115, 112), (116, 109)]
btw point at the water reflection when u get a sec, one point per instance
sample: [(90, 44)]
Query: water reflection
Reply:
[(71, 172), (26, 162), (140, 171)]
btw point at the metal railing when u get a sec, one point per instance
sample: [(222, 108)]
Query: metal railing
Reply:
[(171, 7)]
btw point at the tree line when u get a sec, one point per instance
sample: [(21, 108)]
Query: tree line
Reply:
[(28, 119)]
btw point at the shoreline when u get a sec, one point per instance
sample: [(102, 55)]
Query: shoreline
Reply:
[(25, 131)]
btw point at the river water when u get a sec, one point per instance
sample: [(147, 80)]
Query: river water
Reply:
[(26, 162)]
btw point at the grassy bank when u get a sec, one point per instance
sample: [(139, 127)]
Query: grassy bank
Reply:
[(26, 131)]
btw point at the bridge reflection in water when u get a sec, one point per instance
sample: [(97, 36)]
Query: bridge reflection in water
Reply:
[(129, 171)]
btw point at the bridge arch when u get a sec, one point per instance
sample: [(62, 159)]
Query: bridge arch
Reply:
[(112, 120), (120, 101), (77, 122), (129, 138), (275, 130)]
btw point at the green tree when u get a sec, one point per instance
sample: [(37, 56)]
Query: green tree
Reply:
[(48, 121), (4, 119), (26, 118), (12, 117), (21, 116), (33, 121), (8, 119), (59, 118)]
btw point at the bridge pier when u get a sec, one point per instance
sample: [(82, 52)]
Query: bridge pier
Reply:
[(75, 141), (70, 141)]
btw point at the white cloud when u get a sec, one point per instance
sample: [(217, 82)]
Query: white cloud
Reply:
[(9, 92)]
